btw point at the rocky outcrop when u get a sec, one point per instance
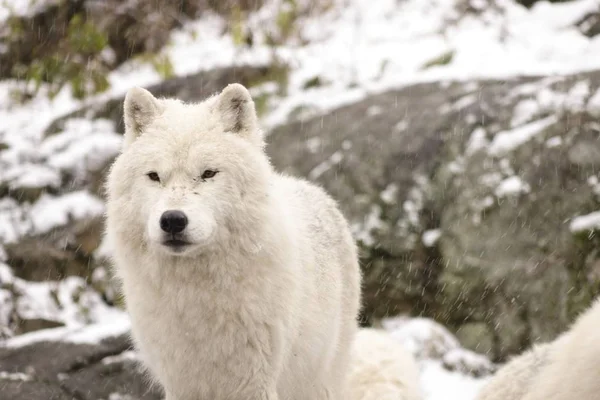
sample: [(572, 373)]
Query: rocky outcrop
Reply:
[(66, 371)]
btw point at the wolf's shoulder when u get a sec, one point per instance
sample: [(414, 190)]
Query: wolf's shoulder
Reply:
[(303, 193)]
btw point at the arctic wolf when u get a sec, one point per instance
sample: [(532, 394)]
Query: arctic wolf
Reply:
[(241, 283), (565, 369)]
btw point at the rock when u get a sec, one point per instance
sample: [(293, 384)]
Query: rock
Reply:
[(60, 370), (34, 324), (495, 168), (477, 336), (589, 24), (24, 390), (530, 3), (65, 251)]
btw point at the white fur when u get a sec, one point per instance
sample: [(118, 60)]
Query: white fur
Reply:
[(382, 369), (566, 369), (573, 371), (515, 378), (262, 303)]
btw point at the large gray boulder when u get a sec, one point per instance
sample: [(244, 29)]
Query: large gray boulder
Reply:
[(462, 196)]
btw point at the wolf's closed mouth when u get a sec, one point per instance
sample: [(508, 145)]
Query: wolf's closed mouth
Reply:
[(175, 243)]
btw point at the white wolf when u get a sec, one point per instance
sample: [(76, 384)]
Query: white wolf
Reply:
[(242, 284), (515, 378), (565, 369), (573, 370)]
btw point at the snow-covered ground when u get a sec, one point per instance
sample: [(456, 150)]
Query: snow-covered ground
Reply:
[(355, 48)]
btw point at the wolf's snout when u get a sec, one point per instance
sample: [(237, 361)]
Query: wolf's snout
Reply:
[(173, 221)]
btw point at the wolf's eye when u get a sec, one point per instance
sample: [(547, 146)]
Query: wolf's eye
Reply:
[(153, 176), (209, 173)]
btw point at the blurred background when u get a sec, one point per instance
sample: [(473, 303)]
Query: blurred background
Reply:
[(459, 136)]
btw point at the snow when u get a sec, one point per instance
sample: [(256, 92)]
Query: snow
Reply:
[(82, 146), (372, 222), (389, 194), (47, 213), (577, 96), (32, 176), (447, 371), (440, 384), (13, 221), (477, 141), (6, 309), (126, 355), (593, 105), (68, 301), (511, 186), (524, 112), (21, 7), (115, 323), (594, 183), (507, 141), (314, 144), (53, 211), (326, 165), (584, 223), (431, 237), (401, 126), (14, 376), (554, 141)]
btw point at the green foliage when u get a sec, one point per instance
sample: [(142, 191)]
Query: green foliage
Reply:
[(443, 59), (286, 17), (313, 82), (77, 61), (15, 26), (262, 103), (585, 278), (84, 38), (237, 26), (161, 63), (277, 72)]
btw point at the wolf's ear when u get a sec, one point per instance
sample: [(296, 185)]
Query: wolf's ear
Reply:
[(236, 110), (139, 109)]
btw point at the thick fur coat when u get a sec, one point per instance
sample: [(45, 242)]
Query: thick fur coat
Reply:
[(566, 369), (241, 283)]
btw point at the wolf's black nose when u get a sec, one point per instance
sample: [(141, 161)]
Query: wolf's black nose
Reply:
[(173, 221)]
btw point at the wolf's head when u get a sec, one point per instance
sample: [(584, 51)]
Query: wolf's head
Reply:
[(190, 177)]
